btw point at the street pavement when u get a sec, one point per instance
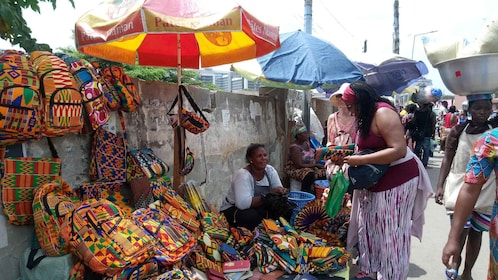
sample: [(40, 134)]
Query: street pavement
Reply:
[(425, 260)]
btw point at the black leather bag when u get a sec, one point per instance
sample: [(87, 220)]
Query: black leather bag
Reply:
[(279, 205), (367, 175)]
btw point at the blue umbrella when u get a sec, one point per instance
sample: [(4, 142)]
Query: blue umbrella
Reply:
[(302, 62), (393, 74)]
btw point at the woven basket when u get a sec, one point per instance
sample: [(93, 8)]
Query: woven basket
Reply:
[(300, 198)]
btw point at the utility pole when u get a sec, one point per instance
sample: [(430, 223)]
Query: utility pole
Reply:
[(396, 27), (308, 16), (308, 21)]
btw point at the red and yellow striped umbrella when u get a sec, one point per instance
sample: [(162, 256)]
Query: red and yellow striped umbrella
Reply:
[(154, 32), (174, 33)]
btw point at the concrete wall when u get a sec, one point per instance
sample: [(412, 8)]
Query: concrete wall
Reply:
[(236, 121)]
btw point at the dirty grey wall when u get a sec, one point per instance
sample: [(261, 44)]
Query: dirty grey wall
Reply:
[(236, 121)]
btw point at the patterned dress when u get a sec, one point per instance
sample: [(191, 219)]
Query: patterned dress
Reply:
[(307, 156), (483, 162)]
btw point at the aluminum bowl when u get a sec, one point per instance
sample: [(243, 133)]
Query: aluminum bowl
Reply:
[(470, 75)]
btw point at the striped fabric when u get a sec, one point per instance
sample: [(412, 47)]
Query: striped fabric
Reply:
[(63, 104), (21, 177), (384, 230)]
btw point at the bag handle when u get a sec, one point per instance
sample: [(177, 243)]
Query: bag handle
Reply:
[(183, 90)]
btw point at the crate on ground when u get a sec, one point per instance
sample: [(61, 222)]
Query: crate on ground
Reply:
[(300, 198)]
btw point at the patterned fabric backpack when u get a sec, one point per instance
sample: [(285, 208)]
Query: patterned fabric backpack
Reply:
[(127, 92), (111, 96), (105, 240), (52, 202), (174, 241), (91, 90), (20, 99), (62, 101)]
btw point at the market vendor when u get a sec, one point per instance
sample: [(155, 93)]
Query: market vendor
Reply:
[(243, 204)]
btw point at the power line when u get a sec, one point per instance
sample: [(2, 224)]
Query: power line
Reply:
[(337, 21)]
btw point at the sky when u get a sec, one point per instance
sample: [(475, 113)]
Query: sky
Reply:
[(344, 23)]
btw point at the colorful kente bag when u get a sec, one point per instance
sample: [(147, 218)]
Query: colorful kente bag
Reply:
[(195, 122), (21, 177), (149, 163), (177, 273), (108, 156), (62, 101), (20, 99), (144, 271), (92, 92), (211, 248), (127, 92), (52, 202), (215, 225), (114, 192), (105, 240), (174, 241)]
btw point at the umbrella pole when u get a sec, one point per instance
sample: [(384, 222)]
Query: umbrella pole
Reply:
[(179, 134)]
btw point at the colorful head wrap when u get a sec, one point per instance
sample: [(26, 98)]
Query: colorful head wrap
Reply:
[(482, 96), (349, 96), (298, 130)]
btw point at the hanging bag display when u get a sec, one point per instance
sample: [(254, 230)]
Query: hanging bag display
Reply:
[(21, 176), (195, 122), (108, 155)]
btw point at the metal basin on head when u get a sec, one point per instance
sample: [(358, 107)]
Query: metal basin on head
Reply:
[(470, 75)]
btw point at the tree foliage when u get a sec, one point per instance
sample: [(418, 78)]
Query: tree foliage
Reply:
[(13, 26), (169, 75)]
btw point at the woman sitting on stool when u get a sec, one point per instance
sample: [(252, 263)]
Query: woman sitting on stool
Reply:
[(243, 206), (301, 165)]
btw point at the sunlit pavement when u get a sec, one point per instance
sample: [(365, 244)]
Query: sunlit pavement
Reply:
[(425, 260)]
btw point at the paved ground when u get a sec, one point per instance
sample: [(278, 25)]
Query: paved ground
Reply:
[(425, 261)]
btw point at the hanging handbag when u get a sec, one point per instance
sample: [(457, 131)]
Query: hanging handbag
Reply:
[(108, 155), (149, 164), (21, 176), (195, 122)]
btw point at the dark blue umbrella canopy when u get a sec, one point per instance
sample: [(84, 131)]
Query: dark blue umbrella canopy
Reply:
[(393, 74), (303, 61)]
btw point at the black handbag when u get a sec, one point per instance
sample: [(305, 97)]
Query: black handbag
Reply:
[(367, 175)]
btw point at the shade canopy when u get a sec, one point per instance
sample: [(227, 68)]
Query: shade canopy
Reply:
[(303, 61), (153, 32), (392, 74)]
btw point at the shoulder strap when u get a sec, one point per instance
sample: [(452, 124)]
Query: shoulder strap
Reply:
[(194, 105)]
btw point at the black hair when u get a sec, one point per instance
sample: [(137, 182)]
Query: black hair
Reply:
[(411, 108), (471, 103), (251, 148), (452, 109), (366, 97)]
